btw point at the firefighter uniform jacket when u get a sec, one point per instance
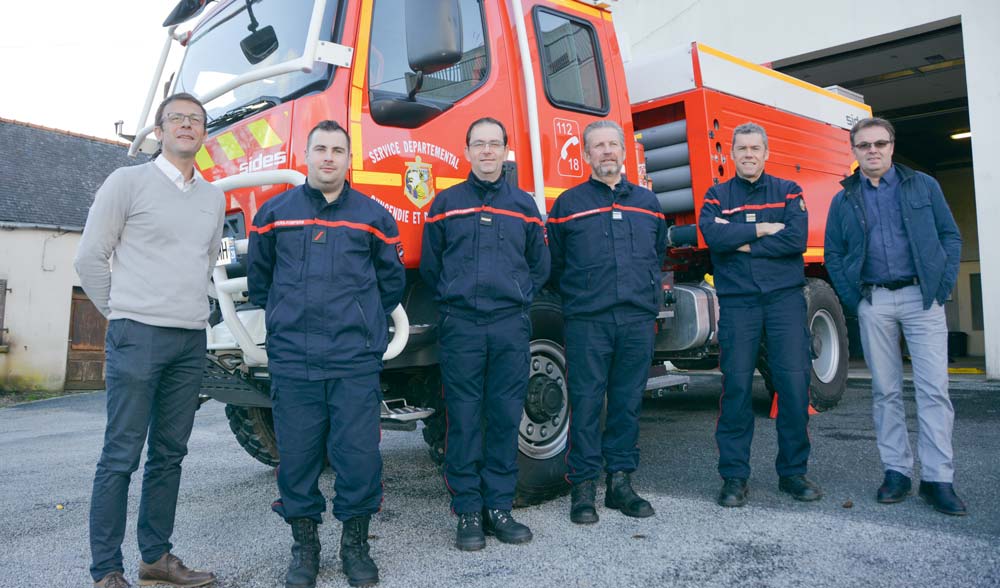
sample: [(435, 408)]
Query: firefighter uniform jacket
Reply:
[(775, 261), (607, 249), (484, 251), (328, 274)]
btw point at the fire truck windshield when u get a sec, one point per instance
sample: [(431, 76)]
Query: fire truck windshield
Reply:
[(214, 56)]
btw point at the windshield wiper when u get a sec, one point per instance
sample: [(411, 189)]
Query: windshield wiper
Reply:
[(241, 112)]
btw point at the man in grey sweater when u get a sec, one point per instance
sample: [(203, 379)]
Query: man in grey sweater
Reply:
[(158, 227)]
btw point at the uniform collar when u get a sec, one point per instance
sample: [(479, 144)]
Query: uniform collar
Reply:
[(318, 195), (751, 185), (621, 188), (484, 186)]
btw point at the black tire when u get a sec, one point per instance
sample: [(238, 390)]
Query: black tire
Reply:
[(541, 459), (829, 348), (427, 387), (254, 430), (704, 363)]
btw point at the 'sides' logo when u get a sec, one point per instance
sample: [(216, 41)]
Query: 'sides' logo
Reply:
[(262, 161)]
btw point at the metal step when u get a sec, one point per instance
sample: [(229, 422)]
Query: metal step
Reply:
[(398, 410), (662, 382)]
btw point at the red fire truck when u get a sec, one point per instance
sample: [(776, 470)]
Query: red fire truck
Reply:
[(406, 77)]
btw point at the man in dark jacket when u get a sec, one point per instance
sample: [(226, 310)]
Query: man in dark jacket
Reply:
[(756, 227), (325, 262), (608, 238), (892, 251), (484, 255)]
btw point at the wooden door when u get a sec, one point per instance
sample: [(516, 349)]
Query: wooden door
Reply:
[(85, 359)]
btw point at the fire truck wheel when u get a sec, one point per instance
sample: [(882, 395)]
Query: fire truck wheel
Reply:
[(704, 363), (543, 435), (427, 386), (828, 330), (254, 430)]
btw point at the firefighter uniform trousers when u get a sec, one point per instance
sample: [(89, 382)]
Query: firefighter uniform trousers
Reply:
[(613, 359), (334, 419), (780, 316), (484, 367)]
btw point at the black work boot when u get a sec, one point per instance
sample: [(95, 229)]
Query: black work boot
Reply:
[(733, 493), (583, 496), (305, 555), (800, 487), (501, 524), (621, 496), (469, 536), (358, 565)]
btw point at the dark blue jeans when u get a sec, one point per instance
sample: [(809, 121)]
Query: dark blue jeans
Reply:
[(153, 377)]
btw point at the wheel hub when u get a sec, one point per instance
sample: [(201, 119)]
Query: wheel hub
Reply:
[(544, 400)]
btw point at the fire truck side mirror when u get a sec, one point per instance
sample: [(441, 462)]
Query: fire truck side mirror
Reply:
[(433, 34), (185, 10), (258, 45)]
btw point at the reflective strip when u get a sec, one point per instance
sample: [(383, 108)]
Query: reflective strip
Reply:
[(265, 135), (754, 207), (370, 178), (474, 210), (442, 183), (616, 206), (203, 159), (230, 146), (324, 223), (552, 193), (577, 215)]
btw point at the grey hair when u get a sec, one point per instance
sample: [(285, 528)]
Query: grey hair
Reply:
[(749, 128), (603, 124)]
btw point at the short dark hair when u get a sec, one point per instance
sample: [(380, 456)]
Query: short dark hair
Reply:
[(330, 126), (873, 122), (180, 96), (486, 120)]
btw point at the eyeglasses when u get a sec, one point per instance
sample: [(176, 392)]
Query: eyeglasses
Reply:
[(480, 145), (865, 146), (177, 118)]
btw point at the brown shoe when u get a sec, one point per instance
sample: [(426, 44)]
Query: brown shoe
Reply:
[(113, 580), (170, 570)]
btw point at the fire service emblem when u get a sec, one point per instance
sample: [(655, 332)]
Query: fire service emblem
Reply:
[(419, 184)]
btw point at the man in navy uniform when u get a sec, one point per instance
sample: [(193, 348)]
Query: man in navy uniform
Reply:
[(484, 255), (756, 228), (893, 251), (325, 262), (607, 238)]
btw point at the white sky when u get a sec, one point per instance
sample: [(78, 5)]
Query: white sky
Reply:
[(79, 65)]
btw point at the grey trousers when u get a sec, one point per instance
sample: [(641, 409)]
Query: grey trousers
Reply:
[(153, 377), (926, 334)]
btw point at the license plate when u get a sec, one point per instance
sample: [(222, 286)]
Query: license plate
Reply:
[(227, 252)]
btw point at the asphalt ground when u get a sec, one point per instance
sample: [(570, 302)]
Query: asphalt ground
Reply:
[(48, 450)]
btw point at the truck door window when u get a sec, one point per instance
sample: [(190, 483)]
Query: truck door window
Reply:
[(214, 57), (571, 62), (389, 69)]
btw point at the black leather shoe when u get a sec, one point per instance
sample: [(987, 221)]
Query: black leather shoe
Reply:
[(582, 510), (469, 536), (941, 495), (800, 487), (895, 488), (502, 525), (621, 496), (734, 492)]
